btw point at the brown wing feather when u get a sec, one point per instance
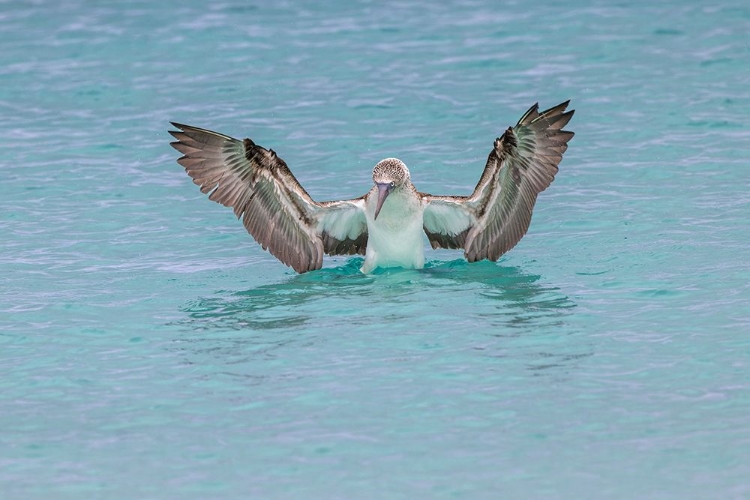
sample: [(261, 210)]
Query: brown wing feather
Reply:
[(522, 164), (497, 215), (449, 241), (339, 242), (446, 220), (260, 188)]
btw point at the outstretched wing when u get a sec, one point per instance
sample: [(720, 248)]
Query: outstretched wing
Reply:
[(275, 209), (495, 217)]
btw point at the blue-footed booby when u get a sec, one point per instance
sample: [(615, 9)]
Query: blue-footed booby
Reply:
[(386, 224)]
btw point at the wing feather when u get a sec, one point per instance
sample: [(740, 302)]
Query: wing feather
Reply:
[(275, 209), (497, 215), (344, 227)]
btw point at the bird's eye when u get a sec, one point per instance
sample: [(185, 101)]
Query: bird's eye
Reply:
[(393, 184)]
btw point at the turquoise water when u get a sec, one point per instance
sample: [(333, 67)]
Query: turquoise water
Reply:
[(150, 349)]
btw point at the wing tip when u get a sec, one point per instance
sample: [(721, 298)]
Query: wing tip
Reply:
[(533, 113), (530, 115), (179, 125), (558, 111)]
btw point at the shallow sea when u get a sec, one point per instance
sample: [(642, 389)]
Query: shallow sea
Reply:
[(150, 349)]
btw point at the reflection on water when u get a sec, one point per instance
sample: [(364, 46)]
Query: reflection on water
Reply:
[(484, 305), (518, 299), (276, 306), (500, 295)]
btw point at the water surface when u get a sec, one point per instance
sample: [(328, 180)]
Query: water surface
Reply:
[(150, 349)]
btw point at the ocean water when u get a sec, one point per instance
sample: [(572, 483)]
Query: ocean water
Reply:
[(149, 348)]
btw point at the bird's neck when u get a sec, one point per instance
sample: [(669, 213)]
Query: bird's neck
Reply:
[(401, 203)]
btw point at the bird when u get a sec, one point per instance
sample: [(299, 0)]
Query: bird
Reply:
[(385, 224)]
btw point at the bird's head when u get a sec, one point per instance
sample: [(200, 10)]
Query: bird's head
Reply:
[(389, 174)]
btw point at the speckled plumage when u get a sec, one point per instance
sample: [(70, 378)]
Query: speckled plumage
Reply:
[(391, 170)]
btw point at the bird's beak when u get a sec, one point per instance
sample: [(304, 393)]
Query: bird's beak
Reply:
[(383, 192)]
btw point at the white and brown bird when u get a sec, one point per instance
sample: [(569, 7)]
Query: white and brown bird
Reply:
[(386, 224)]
